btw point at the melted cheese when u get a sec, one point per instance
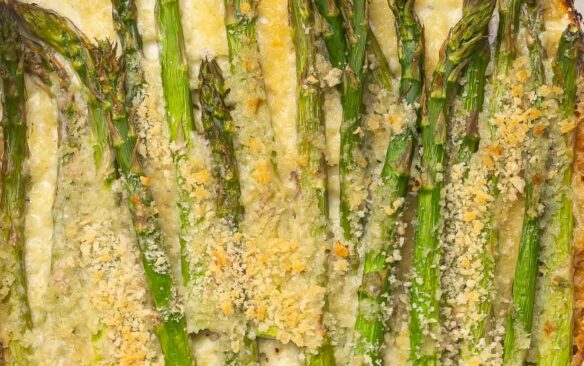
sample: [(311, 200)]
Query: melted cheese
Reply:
[(382, 23), (205, 36), (204, 32), (278, 66), (42, 165), (556, 19), (92, 17), (437, 17)]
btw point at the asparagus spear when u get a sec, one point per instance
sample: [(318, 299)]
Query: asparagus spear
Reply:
[(311, 136), (310, 123), (519, 322), (352, 98), (467, 143), (380, 238), (473, 94), (462, 42), (334, 34), (554, 328), (179, 109), (464, 144), (14, 305), (509, 11), (124, 13), (218, 128), (100, 70)]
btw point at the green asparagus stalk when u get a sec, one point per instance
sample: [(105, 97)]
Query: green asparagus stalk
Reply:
[(179, 109), (465, 144), (464, 39), (411, 50), (352, 99), (519, 322), (554, 328), (14, 303), (506, 48), (125, 15), (175, 71), (473, 95), (334, 33), (218, 128), (311, 137), (74, 142), (310, 123), (380, 238), (100, 70)]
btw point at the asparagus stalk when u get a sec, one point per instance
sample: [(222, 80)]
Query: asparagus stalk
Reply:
[(380, 238), (334, 34), (74, 143), (473, 95), (464, 39), (465, 144), (125, 15), (14, 304), (240, 21), (311, 135), (509, 11), (519, 322), (554, 348), (100, 70), (310, 123), (179, 109), (411, 50), (218, 128), (352, 98)]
